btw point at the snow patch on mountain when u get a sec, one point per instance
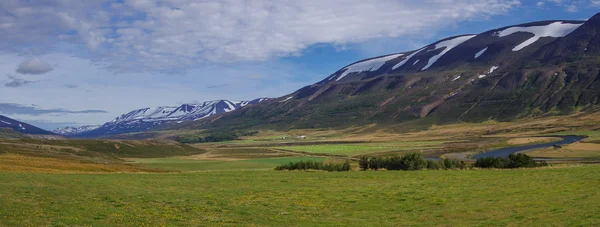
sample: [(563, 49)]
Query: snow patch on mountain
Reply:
[(148, 118), (556, 29), (478, 54), (493, 68), (400, 64), (447, 45), (368, 65), (287, 99), (69, 131)]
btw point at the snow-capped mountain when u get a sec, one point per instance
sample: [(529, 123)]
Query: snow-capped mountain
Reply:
[(22, 127), (70, 131), (151, 118), (524, 70)]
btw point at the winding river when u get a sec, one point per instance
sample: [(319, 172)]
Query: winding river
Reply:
[(504, 152)]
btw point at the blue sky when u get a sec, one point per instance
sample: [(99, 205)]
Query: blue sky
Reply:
[(86, 62)]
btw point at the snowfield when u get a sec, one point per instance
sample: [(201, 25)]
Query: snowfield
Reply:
[(447, 45), (478, 54), (556, 29), (368, 65)]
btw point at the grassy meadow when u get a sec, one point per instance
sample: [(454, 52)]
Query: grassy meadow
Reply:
[(565, 196), (232, 183)]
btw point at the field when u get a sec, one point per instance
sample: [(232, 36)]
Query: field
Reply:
[(190, 165), (162, 182), (565, 196), (364, 148)]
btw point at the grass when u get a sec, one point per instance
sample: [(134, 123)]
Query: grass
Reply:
[(592, 135), (363, 148), (21, 163), (576, 150), (533, 197), (123, 149), (185, 165)]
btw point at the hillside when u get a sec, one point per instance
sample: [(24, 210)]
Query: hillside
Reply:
[(536, 69), (21, 127), (145, 119)]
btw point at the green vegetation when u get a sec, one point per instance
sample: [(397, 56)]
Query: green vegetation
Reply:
[(364, 148), (115, 148), (215, 137), (183, 164), (511, 162), (526, 197), (409, 161), (9, 133), (314, 165)]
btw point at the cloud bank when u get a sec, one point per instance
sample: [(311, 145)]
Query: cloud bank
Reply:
[(162, 35), (17, 109)]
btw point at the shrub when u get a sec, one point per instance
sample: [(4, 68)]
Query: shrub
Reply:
[(215, 137), (431, 164), (314, 165), (363, 163), (410, 161), (510, 162), (413, 161)]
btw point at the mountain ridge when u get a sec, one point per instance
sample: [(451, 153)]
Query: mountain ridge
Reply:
[(499, 74), (22, 127), (144, 119)]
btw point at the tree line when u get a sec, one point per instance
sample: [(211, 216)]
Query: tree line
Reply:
[(315, 165), (410, 161), (215, 137), (510, 162)]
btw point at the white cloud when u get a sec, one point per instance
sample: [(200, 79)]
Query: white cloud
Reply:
[(34, 66), (162, 35)]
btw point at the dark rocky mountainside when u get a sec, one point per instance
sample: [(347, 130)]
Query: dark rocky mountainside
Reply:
[(533, 69), (21, 127)]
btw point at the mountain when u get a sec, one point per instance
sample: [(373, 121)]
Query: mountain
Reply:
[(21, 127), (163, 116), (71, 131), (532, 69)]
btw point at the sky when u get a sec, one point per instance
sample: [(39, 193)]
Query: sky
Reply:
[(73, 63)]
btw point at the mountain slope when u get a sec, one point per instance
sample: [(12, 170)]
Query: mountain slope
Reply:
[(159, 117), (21, 127), (71, 131), (539, 68)]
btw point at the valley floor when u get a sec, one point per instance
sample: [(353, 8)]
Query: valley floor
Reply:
[(559, 196), (162, 182)]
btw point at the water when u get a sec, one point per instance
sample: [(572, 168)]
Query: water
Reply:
[(504, 152)]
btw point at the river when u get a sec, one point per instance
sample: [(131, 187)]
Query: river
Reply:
[(504, 152)]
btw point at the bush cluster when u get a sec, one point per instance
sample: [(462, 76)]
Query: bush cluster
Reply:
[(314, 165), (215, 137), (512, 161), (410, 161)]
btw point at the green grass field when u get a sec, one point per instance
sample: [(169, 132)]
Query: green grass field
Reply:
[(185, 165), (363, 148), (534, 197)]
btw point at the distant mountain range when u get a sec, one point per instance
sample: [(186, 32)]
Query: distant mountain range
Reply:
[(21, 127), (71, 131), (533, 69), (527, 70), (158, 117)]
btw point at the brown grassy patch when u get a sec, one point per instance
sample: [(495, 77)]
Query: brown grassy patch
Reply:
[(576, 150), (22, 163), (528, 140)]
